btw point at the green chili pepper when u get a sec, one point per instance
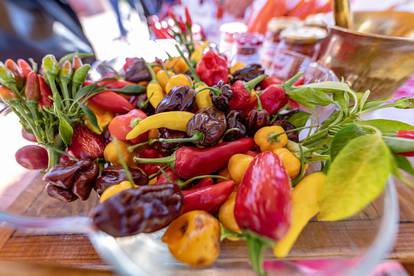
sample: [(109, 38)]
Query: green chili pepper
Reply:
[(50, 65), (65, 73), (76, 62), (79, 77)]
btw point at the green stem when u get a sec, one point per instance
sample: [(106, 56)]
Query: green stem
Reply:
[(259, 103), (255, 248), (53, 156), (188, 181), (197, 136), (162, 160), (250, 85), (193, 72), (136, 146), (66, 97), (152, 73), (290, 82), (216, 91)]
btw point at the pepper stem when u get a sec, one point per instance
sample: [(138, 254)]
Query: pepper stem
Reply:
[(215, 90), (188, 181), (252, 83), (292, 80), (162, 160), (255, 248), (197, 136), (193, 72), (152, 73), (259, 103)]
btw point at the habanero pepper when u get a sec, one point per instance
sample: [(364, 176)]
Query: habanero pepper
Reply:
[(121, 125), (263, 205), (111, 101), (202, 97), (241, 92), (180, 98), (189, 162), (212, 68), (178, 80), (208, 198), (175, 120), (257, 118), (149, 153), (273, 98), (167, 176)]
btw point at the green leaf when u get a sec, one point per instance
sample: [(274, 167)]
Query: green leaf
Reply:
[(399, 145), (404, 164), (65, 130), (91, 116), (310, 97), (130, 89), (88, 90), (363, 98), (404, 103), (299, 119), (343, 137), (328, 86), (387, 126), (355, 178), (342, 100)]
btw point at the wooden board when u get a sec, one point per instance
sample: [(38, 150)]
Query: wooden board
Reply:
[(320, 239)]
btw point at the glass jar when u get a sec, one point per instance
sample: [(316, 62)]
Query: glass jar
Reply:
[(228, 32), (248, 46), (304, 40)]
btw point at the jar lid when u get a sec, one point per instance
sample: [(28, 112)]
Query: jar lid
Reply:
[(278, 24), (304, 35), (249, 39)]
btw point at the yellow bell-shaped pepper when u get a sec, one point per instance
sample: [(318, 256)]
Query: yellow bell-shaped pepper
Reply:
[(162, 77), (115, 189), (177, 64), (305, 198), (270, 137), (155, 93), (203, 98), (238, 165), (175, 120), (178, 80), (103, 118), (290, 162)]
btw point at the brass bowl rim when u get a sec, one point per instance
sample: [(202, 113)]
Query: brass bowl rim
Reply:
[(377, 36)]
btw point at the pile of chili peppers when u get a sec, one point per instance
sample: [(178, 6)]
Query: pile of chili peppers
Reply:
[(210, 154)]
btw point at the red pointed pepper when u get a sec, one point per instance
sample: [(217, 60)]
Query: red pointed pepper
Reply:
[(15, 69), (86, 144), (121, 125), (188, 20), (114, 84), (263, 204), (208, 198), (45, 100), (167, 177), (149, 153), (269, 81), (241, 97), (212, 68), (32, 90), (24, 67), (189, 162), (408, 134), (111, 101), (273, 98)]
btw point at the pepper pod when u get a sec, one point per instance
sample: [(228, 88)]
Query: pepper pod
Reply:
[(241, 97), (235, 128), (180, 98), (257, 118), (248, 73)]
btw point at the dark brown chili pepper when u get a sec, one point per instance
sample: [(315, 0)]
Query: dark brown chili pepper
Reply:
[(144, 104), (145, 209), (256, 119), (221, 100), (71, 180), (114, 175), (248, 73), (180, 98), (169, 148), (235, 127), (136, 70)]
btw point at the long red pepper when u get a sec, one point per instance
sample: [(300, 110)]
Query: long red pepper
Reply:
[(111, 101), (188, 162), (24, 67), (408, 134), (32, 90), (207, 198), (45, 100), (263, 205)]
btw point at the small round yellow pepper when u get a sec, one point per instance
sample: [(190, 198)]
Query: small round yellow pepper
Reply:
[(178, 80), (177, 64), (237, 166), (112, 155), (226, 214), (270, 137), (289, 160), (194, 238), (162, 77), (115, 189)]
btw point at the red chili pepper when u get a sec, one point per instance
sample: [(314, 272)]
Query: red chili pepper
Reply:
[(24, 67), (208, 198), (188, 20), (273, 98), (212, 68), (188, 162), (6, 94), (241, 97), (204, 183), (32, 90), (114, 84), (263, 203), (149, 153), (76, 62), (168, 177), (111, 101), (15, 69), (300, 81), (86, 144), (45, 100), (408, 134), (269, 81), (121, 125)]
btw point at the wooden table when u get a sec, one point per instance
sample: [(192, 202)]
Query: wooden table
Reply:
[(75, 251)]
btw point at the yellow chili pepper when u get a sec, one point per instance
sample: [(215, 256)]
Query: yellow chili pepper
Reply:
[(226, 214), (289, 160), (203, 98), (103, 118), (305, 197), (178, 80), (237, 166), (155, 93), (194, 238), (175, 120), (112, 155), (270, 138), (237, 66), (115, 189), (198, 53), (162, 77), (177, 64)]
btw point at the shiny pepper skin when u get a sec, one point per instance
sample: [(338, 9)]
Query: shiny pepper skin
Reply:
[(209, 122), (248, 73), (145, 209), (163, 77), (212, 68), (169, 148), (194, 238), (115, 189), (222, 100), (178, 80), (273, 98), (290, 162), (136, 70), (263, 201), (117, 152), (113, 175), (180, 98), (238, 165), (235, 127), (256, 119), (226, 214), (203, 98), (270, 138)]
